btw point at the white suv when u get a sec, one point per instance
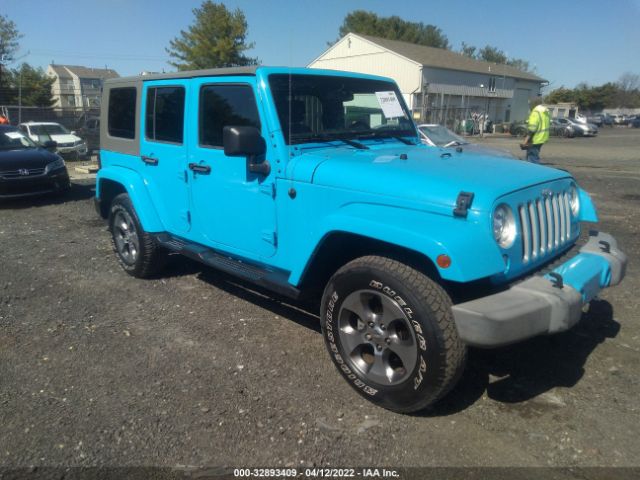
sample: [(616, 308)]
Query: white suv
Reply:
[(69, 144)]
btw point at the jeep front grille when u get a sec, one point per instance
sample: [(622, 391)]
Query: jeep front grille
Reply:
[(546, 225)]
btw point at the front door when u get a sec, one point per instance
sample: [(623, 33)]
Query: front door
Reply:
[(232, 209), (163, 150)]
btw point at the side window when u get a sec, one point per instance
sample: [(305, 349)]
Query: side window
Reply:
[(222, 106), (165, 114), (122, 112)]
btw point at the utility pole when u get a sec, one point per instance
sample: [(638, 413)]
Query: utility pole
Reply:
[(2, 58)]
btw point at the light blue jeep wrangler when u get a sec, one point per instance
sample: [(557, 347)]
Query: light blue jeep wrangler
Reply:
[(316, 181)]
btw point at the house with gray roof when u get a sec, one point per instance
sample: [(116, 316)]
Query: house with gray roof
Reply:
[(438, 85), (77, 86)]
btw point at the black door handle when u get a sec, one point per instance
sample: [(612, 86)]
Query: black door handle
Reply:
[(199, 168), (149, 160)]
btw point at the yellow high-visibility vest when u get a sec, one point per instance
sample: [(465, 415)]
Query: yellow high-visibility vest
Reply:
[(538, 124)]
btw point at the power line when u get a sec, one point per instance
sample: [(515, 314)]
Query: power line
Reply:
[(112, 56)]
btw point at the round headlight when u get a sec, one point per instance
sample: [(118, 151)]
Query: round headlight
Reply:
[(504, 226), (574, 200)]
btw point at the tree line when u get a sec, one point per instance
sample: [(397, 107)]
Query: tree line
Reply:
[(625, 93)]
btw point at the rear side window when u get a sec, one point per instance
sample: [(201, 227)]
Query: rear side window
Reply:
[(122, 112), (165, 114), (224, 106)]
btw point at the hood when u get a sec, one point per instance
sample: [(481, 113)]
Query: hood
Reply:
[(428, 176), (62, 138), (25, 158)]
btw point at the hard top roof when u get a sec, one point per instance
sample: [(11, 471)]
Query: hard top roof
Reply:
[(209, 72), (237, 71)]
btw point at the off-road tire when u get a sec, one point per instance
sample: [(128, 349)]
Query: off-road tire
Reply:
[(150, 257), (440, 354)]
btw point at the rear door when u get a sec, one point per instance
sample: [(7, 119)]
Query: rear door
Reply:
[(233, 209), (163, 150)]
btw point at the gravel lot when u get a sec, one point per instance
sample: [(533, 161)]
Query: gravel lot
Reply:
[(98, 368)]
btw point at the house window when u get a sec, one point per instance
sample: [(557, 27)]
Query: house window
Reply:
[(165, 114), (492, 84), (122, 112)]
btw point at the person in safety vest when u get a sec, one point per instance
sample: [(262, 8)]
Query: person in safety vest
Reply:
[(538, 133)]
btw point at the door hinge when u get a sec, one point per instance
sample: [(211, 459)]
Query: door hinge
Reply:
[(270, 236)]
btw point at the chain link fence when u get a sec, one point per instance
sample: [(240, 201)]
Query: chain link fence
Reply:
[(71, 117)]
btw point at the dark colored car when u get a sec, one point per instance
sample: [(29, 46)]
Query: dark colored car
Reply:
[(635, 123), (90, 131), (27, 168)]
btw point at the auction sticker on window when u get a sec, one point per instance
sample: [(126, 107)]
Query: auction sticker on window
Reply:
[(390, 104)]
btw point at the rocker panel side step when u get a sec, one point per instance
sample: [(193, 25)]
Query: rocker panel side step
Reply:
[(275, 280)]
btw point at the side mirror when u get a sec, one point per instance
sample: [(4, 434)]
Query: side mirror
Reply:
[(50, 145), (246, 142), (73, 132)]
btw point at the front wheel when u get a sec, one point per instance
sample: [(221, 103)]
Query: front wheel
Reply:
[(138, 253), (390, 332)]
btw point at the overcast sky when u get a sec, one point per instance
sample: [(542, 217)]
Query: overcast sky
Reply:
[(568, 41)]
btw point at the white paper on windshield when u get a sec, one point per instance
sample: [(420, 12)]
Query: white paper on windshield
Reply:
[(14, 135), (390, 105)]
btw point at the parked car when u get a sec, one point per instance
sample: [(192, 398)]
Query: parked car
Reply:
[(630, 119), (305, 180), (617, 118), (27, 168), (635, 123), (561, 129), (69, 144), (440, 136), (579, 128), (596, 119), (90, 132), (518, 129), (607, 119)]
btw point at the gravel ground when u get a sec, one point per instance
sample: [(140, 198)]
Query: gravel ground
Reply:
[(98, 368)]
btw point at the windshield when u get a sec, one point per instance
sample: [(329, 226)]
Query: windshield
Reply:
[(323, 108), (14, 139), (49, 129), (441, 136)]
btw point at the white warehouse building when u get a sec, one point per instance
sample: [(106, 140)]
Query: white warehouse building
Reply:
[(438, 85)]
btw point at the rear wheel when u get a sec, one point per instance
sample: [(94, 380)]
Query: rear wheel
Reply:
[(138, 253), (390, 332)]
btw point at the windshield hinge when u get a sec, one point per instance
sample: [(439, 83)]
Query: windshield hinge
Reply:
[(270, 236), (463, 204), (269, 189)]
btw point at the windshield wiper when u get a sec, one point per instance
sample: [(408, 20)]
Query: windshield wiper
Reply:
[(328, 138), (384, 135)]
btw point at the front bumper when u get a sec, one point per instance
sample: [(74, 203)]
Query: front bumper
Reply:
[(80, 149), (27, 186), (543, 304)]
